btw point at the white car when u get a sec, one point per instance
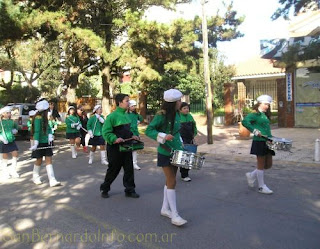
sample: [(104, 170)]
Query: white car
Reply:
[(20, 114)]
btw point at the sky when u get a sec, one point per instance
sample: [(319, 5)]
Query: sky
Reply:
[(257, 25)]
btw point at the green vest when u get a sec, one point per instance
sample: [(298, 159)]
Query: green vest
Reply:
[(29, 124), (6, 127), (71, 119), (95, 125), (134, 117), (158, 124), (38, 133), (52, 124), (259, 121), (116, 118)]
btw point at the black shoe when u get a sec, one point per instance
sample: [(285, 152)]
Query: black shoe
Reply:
[(132, 195), (104, 194)]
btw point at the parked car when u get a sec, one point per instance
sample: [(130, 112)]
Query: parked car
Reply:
[(20, 114)]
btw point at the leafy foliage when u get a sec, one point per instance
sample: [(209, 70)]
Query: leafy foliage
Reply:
[(296, 6)]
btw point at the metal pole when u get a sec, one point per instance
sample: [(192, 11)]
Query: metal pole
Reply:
[(207, 74)]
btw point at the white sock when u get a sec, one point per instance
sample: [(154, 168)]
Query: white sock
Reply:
[(171, 195), (134, 157), (165, 203), (253, 174), (14, 161), (260, 178)]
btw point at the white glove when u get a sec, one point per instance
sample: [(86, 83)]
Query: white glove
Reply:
[(14, 131), (161, 138), (256, 132), (3, 140), (101, 119), (79, 126), (97, 115), (73, 125), (90, 133), (35, 145), (50, 138)]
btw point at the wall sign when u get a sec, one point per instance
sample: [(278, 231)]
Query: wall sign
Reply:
[(289, 86)]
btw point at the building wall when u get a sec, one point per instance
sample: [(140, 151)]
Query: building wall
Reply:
[(285, 108)]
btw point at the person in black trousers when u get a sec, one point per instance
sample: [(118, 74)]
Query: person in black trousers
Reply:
[(116, 131), (84, 120)]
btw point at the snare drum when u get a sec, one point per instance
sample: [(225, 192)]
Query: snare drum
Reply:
[(187, 160), (278, 143)]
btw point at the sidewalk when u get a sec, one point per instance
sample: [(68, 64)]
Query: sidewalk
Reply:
[(228, 145)]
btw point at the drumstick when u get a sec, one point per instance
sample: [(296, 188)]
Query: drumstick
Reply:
[(51, 147), (268, 138)]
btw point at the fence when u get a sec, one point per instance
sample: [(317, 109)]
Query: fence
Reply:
[(198, 106)]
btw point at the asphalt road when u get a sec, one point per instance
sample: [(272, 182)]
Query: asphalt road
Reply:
[(222, 211)]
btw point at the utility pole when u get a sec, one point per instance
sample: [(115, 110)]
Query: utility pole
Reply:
[(207, 74)]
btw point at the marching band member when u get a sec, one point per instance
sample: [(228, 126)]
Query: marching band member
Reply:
[(259, 124), (135, 120), (43, 137), (7, 144), (32, 113), (188, 131), (164, 128), (53, 124), (94, 126), (83, 120), (115, 130), (72, 133)]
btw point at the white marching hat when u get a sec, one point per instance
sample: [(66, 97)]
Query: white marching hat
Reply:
[(42, 105), (266, 99), (172, 95), (96, 108), (71, 107), (132, 103), (32, 113), (5, 109)]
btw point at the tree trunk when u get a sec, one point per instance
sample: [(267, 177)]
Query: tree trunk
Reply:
[(72, 81), (71, 95), (143, 104), (107, 91)]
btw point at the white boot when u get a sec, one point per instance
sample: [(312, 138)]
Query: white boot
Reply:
[(103, 158), (165, 210), (52, 180), (36, 175), (175, 218), (91, 155), (5, 172), (13, 168), (73, 151), (134, 160)]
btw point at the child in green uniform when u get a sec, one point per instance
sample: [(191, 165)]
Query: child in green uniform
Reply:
[(8, 128), (43, 137), (135, 120), (72, 133), (164, 128), (94, 126), (53, 124), (259, 123), (188, 131), (32, 113), (116, 130)]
